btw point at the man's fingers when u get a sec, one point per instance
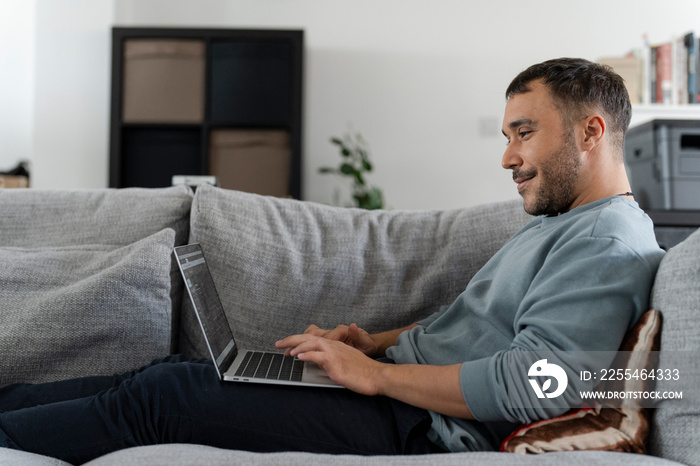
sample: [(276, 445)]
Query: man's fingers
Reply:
[(315, 330), (296, 344), (353, 332), (350, 335), (292, 342), (339, 333), (311, 344)]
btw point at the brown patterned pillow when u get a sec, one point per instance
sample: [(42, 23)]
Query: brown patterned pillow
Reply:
[(624, 428)]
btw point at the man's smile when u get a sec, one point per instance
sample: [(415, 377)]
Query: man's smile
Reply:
[(523, 177)]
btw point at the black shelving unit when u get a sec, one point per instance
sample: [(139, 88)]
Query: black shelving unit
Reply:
[(221, 102)]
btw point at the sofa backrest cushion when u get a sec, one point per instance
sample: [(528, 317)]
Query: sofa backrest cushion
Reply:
[(280, 264), (40, 218), (32, 218), (71, 311), (676, 293)]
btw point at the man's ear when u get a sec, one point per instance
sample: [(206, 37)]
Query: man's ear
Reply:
[(593, 130)]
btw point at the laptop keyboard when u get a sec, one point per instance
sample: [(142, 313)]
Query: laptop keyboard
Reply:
[(272, 366)]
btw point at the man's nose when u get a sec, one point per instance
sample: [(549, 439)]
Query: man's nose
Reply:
[(511, 159)]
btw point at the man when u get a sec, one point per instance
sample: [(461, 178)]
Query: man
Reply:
[(574, 279)]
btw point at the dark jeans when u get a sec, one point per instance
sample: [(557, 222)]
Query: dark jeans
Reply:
[(176, 400)]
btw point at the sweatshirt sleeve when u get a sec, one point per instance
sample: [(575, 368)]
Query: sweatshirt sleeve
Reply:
[(581, 303), (432, 318)]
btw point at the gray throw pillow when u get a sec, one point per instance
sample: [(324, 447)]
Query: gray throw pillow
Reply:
[(36, 218), (70, 311)]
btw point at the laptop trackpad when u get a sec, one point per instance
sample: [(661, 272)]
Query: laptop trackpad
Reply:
[(314, 374)]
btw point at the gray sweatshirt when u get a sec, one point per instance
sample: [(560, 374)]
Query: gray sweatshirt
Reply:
[(571, 283)]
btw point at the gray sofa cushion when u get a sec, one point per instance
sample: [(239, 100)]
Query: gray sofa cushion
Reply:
[(281, 264), (676, 423), (70, 311), (177, 455), (37, 218), (22, 458), (40, 218)]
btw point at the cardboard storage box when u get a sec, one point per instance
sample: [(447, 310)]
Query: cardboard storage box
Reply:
[(163, 81), (255, 161), (10, 181)]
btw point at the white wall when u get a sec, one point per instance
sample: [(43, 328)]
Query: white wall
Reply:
[(16, 81), (422, 80), (71, 93)]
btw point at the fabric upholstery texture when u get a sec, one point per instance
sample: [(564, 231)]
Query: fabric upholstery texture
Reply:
[(311, 263), (22, 458), (32, 218), (39, 218), (175, 455), (71, 311), (675, 423), (281, 264)]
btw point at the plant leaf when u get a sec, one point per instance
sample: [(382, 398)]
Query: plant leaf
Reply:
[(376, 199), (356, 163), (347, 169), (359, 179)]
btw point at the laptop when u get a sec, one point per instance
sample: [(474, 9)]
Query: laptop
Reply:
[(234, 364)]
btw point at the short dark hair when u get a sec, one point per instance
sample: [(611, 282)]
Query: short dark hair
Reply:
[(578, 86)]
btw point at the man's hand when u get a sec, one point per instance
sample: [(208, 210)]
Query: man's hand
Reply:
[(436, 388), (344, 363), (372, 345), (351, 335)]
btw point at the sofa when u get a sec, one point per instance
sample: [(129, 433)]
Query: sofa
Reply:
[(88, 285)]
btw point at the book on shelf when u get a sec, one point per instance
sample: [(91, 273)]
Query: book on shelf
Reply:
[(630, 68), (663, 73), (693, 46)]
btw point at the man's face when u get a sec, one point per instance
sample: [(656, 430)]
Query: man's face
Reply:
[(541, 152)]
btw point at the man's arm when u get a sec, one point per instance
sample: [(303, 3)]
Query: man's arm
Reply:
[(385, 340), (435, 388)]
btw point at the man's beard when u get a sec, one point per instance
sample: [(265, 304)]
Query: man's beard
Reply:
[(556, 181)]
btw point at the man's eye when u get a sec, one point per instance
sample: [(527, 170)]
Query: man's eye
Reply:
[(523, 134)]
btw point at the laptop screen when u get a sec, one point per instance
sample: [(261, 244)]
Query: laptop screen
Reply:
[(205, 299)]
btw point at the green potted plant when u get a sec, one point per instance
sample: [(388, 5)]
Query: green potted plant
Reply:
[(355, 163)]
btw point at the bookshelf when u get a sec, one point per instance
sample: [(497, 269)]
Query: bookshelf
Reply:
[(664, 83), (663, 78), (645, 112), (207, 102)]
